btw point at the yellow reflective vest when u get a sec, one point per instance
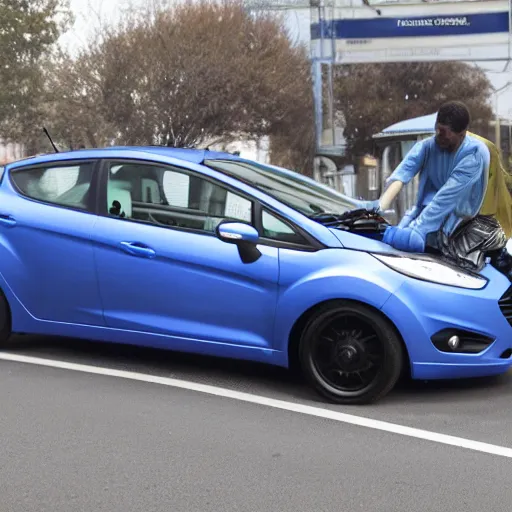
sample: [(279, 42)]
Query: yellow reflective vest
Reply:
[(497, 199)]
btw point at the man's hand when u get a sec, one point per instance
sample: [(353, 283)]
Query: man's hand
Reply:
[(372, 206), (385, 201), (404, 239)]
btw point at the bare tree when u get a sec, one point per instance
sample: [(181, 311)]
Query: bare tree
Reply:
[(183, 76)]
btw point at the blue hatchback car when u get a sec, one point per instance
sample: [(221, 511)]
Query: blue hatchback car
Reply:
[(209, 253)]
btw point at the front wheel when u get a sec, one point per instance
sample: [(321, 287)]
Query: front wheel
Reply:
[(350, 354)]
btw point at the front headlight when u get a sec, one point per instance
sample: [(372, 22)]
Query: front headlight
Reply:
[(435, 272)]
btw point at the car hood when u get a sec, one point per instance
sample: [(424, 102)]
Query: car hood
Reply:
[(362, 243)]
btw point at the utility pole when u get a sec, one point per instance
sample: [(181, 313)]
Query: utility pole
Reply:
[(316, 69), (497, 124)]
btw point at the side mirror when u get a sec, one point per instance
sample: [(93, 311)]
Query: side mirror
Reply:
[(244, 236), (236, 232)]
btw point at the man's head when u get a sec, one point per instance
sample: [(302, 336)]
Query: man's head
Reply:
[(451, 125)]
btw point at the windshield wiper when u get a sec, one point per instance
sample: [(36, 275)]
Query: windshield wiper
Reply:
[(345, 218), (335, 217)]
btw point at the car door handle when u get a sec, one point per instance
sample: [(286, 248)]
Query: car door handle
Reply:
[(138, 249), (7, 220)]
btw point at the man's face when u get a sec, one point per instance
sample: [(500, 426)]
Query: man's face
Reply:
[(447, 139)]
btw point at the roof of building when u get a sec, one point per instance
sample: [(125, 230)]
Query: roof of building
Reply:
[(422, 125)]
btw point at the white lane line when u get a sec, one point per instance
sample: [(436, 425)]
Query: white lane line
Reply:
[(269, 402)]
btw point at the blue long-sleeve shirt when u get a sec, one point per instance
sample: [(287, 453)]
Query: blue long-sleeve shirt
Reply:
[(451, 186)]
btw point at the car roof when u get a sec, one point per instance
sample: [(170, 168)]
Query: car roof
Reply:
[(191, 155)]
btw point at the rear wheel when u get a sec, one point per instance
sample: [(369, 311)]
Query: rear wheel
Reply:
[(350, 354)]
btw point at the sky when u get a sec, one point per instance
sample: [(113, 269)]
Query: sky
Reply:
[(89, 12)]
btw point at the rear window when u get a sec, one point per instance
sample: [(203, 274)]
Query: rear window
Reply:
[(63, 184)]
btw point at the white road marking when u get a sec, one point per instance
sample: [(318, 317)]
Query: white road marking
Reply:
[(269, 402)]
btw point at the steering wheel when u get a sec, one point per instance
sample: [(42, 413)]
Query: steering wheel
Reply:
[(171, 222)]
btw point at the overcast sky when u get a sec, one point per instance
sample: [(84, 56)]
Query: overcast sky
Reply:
[(87, 12)]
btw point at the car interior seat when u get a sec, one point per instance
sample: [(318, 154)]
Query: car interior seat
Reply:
[(76, 196), (143, 183), (150, 191)]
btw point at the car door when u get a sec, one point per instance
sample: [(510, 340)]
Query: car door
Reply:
[(161, 268), (46, 219)]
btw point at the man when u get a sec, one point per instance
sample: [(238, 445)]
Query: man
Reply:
[(454, 167)]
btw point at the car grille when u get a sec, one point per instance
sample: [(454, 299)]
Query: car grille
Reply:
[(506, 305)]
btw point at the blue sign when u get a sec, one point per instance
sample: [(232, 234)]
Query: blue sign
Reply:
[(419, 26)]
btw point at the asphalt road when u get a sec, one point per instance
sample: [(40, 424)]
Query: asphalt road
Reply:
[(77, 442)]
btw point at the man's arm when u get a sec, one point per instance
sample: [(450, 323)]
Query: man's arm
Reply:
[(403, 174), (467, 172), (390, 194)]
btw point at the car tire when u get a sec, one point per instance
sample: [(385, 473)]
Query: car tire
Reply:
[(5, 321), (346, 342)]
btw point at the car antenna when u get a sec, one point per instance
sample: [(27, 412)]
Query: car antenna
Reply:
[(50, 139)]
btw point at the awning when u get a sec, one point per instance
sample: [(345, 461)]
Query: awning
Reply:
[(423, 125)]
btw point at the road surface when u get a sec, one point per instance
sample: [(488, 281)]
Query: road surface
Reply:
[(75, 441)]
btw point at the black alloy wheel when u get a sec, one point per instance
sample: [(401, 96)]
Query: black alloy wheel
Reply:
[(350, 353)]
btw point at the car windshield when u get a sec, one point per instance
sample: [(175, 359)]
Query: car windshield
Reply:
[(296, 191)]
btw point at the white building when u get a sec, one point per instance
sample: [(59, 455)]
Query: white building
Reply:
[(10, 151)]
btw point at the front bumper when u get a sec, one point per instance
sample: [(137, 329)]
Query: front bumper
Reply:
[(420, 309)]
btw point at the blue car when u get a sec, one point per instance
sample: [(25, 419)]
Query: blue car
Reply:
[(210, 253)]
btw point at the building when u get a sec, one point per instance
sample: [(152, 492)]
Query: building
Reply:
[(10, 151), (353, 20)]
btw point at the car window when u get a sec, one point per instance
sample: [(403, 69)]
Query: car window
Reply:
[(170, 197), (296, 191), (65, 185), (276, 229)]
